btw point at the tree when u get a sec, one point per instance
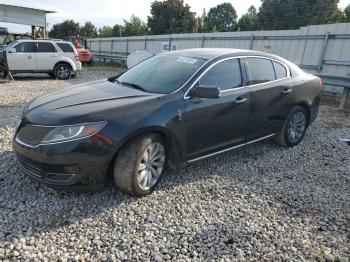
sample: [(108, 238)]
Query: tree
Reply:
[(135, 26), (105, 31), (64, 30), (171, 17), (223, 17), (293, 14), (347, 14), (249, 21), (88, 30), (117, 30), (200, 22)]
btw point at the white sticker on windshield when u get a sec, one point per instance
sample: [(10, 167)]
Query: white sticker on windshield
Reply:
[(186, 60)]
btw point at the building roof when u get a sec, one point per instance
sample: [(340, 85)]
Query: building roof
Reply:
[(28, 8)]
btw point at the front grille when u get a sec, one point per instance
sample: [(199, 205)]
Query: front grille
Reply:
[(33, 135), (29, 167)]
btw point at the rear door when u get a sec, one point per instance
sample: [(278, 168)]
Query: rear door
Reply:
[(24, 59), (216, 124), (272, 95), (47, 56)]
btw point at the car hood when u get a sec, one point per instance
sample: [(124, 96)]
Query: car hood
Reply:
[(91, 92)]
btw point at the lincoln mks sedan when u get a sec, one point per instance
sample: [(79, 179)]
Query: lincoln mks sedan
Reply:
[(179, 106)]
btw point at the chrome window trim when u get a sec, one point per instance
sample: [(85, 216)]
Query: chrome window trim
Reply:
[(230, 148), (238, 88)]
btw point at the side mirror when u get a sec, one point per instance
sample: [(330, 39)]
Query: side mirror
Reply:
[(12, 50), (205, 92)]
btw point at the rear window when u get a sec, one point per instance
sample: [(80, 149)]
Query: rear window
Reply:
[(67, 48), (260, 70), (44, 47)]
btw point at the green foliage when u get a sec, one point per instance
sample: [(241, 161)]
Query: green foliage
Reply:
[(171, 17), (347, 14), (249, 21), (105, 31), (64, 30), (134, 26), (223, 18), (89, 30), (292, 14)]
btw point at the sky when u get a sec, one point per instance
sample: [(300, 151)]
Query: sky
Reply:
[(110, 12)]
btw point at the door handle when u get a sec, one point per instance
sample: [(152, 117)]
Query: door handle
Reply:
[(287, 91), (240, 100), (54, 55), (29, 57)]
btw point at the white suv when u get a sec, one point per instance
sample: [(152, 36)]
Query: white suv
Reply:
[(58, 58)]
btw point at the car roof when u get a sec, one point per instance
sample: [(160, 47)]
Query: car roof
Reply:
[(211, 53)]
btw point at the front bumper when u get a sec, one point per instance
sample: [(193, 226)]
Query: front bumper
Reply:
[(79, 165)]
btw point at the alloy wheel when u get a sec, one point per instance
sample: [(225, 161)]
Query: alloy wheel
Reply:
[(63, 72), (296, 127), (151, 166)]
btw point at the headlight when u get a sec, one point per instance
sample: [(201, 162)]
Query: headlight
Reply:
[(65, 133)]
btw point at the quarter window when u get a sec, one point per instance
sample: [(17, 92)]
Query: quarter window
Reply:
[(225, 75), (67, 48), (280, 70), (260, 70), (44, 47), (26, 47)]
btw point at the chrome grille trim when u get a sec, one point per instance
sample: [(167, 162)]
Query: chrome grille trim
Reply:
[(32, 135)]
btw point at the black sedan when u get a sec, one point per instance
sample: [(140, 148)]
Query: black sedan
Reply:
[(179, 106)]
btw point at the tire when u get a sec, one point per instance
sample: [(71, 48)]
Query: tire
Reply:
[(294, 128), (62, 71), (133, 173), (3, 72), (91, 62)]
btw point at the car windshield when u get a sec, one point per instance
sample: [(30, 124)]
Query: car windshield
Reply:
[(161, 74)]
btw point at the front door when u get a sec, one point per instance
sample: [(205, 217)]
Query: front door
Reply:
[(218, 123), (24, 59)]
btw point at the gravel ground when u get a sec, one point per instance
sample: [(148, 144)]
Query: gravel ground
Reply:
[(262, 202)]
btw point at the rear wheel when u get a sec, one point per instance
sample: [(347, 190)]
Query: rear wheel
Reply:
[(62, 71), (140, 165), (294, 128), (3, 72)]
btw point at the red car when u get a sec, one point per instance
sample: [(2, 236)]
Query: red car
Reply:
[(84, 54)]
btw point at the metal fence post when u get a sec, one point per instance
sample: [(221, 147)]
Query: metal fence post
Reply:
[(323, 52), (145, 43), (99, 49), (112, 42), (203, 41), (251, 41), (170, 43)]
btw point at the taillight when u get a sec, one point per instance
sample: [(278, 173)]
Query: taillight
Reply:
[(321, 82)]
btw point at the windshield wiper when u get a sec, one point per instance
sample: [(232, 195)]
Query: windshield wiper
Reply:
[(136, 86)]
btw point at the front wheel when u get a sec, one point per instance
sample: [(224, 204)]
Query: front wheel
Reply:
[(294, 128), (62, 71), (140, 164)]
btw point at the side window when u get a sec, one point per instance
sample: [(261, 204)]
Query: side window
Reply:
[(260, 70), (280, 70), (67, 48), (26, 47), (45, 47), (225, 75)]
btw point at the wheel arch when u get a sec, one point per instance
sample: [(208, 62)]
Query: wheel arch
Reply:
[(176, 151), (71, 65), (307, 107)]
